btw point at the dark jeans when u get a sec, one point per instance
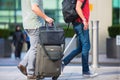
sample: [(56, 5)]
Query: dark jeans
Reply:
[(18, 49), (83, 47)]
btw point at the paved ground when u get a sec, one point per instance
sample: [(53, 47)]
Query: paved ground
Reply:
[(105, 73), (71, 72), (103, 60), (109, 69)]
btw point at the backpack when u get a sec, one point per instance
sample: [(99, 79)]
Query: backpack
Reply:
[(68, 10)]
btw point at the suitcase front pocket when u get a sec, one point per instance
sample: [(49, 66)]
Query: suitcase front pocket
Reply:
[(54, 52)]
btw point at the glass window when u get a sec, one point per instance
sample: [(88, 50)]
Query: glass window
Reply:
[(116, 12), (7, 4), (18, 4), (10, 11)]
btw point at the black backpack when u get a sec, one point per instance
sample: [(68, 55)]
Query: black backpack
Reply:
[(68, 10)]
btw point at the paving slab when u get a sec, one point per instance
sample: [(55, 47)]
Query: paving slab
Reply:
[(71, 72)]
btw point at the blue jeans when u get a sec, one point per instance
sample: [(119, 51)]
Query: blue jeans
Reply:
[(83, 47)]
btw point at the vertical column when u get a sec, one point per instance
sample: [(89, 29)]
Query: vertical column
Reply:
[(95, 43), (15, 13), (57, 11), (119, 10)]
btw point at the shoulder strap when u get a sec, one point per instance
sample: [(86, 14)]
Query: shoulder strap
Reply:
[(83, 4)]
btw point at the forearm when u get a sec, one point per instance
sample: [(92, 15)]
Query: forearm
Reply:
[(79, 10), (38, 11), (81, 15)]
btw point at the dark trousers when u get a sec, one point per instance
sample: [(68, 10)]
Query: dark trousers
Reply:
[(18, 49)]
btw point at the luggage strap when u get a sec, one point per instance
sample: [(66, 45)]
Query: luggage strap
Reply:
[(42, 45)]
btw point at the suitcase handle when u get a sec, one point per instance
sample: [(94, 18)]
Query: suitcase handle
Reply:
[(48, 26)]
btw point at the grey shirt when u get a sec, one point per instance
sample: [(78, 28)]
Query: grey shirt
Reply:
[(30, 19)]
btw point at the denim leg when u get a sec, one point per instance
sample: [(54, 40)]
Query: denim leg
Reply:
[(75, 52), (85, 51), (84, 47), (84, 38)]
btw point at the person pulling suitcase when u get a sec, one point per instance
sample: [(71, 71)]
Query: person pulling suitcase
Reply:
[(33, 17)]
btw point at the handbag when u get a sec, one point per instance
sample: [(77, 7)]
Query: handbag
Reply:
[(52, 35)]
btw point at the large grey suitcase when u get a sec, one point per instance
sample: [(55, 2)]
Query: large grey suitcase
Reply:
[(45, 67)]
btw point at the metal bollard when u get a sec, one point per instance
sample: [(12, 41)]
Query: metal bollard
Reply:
[(95, 27)]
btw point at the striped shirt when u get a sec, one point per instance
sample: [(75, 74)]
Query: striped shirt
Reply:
[(30, 19)]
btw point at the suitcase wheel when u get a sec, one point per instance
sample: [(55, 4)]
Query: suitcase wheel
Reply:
[(39, 79), (55, 77)]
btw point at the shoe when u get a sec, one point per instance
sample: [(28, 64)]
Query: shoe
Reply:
[(22, 69), (62, 66), (31, 77), (90, 75)]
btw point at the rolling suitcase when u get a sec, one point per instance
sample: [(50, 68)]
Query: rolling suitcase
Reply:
[(48, 66), (49, 52)]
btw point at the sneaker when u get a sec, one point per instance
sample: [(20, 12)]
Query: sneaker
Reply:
[(62, 66), (31, 77), (90, 75)]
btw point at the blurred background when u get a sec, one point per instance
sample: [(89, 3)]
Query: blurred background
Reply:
[(107, 12)]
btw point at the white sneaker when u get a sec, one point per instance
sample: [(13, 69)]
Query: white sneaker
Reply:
[(90, 75)]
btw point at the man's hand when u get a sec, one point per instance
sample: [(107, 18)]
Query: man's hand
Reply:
[(85, 25), (49, 20)]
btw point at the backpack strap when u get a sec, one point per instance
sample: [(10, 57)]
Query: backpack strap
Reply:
[(81, 7), (83, 4)]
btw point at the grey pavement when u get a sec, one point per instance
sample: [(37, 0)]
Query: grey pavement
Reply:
[(71, 72), (109, 69), (102, 60)]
